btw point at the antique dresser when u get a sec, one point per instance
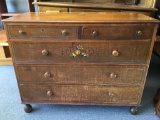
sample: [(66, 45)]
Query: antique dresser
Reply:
[(81, 58)]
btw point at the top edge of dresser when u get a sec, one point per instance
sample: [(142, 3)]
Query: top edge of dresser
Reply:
[(81, 17)]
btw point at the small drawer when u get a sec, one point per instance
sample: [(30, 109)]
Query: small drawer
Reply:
[(41, 32), (82, 74), (80, 94), (52, 9), (129, 52), (118, 32)]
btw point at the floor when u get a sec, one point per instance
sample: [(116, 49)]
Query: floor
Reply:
[(12, 109)]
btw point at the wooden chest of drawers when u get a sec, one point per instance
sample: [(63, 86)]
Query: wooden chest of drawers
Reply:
[(81, 58)]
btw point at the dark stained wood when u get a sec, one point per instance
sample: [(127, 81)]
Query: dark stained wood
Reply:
[(68, 58), (31, 6), (28, 108), (3, 6)]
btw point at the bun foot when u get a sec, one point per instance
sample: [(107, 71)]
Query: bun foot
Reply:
[(28, 108), (134, 110)]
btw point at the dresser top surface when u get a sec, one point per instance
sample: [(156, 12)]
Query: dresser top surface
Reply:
[(82, 17)]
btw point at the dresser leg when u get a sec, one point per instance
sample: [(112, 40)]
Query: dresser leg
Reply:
[(28, 108), (134, 110)]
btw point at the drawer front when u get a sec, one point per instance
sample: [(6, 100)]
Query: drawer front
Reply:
[(41, 32), (97, 32), (118, 32), (80, 94), (82, 74), (52, 9), (93, 52)]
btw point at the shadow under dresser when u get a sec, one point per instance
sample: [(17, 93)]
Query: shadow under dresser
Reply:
[(91, 58)]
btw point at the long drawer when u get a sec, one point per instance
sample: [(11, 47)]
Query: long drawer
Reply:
[(135, 52), (82, 31), (82, 74), (80, 94)]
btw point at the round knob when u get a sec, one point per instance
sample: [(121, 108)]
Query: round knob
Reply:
[(111, 94), (115, 53), (21, 32), (45, 52), (95, 33), (139, 33), (64, 32), (49, 93), (47, 74), (112, 75)]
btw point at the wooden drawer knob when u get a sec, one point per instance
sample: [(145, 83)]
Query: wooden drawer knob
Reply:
[(47, 74), (21, 32), (64, 32), (45, 52), (95, 33), (115, 53), (111, 94), (112, 75), (49, 93), (139, 33)]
